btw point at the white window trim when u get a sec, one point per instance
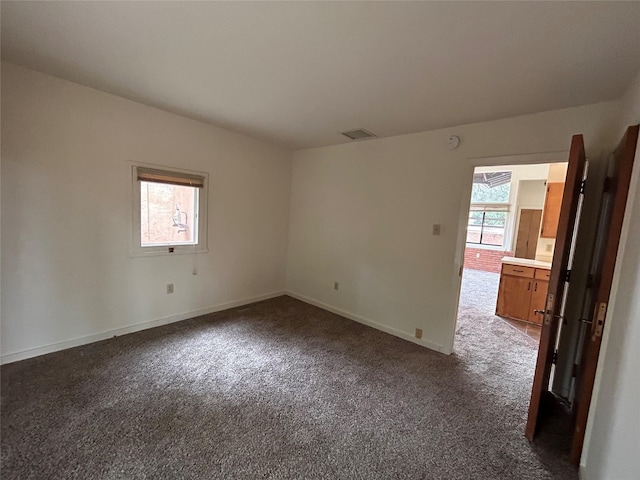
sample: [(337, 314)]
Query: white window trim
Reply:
[(135, 247)]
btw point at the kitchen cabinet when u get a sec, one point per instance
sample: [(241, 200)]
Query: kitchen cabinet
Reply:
[(551, 210), (522, 291), (538, 294)]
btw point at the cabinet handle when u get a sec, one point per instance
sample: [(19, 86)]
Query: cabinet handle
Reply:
[(535, 287), (529, 286), (519, 271)]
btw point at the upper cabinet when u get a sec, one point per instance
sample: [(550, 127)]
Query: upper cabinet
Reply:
[(551, 212)]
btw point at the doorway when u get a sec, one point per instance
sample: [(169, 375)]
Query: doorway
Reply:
[(509, 247), (574, 310)]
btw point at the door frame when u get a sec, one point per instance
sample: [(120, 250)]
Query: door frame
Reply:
[(559, 156)]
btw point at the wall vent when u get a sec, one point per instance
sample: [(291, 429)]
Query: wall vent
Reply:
[(358, 134)]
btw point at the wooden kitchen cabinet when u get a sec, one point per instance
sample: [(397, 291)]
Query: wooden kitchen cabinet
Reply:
[(551, 211), (538, 300), (514, 297), (522, 290)]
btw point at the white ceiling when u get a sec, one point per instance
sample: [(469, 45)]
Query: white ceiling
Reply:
[(299, 73)]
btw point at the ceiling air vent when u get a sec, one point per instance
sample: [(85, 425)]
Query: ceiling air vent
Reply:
[(358, 134)]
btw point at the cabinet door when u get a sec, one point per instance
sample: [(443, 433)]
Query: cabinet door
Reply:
[(528, 230), (514, 297), (551, 213), (538, 299)]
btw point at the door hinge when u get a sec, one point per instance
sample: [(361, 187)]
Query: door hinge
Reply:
[(567, 276), (554, 359), (583, 184)]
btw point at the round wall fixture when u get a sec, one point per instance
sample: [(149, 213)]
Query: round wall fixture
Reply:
[(453, 142)]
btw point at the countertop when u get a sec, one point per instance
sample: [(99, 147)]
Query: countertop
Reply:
[(525, 262)]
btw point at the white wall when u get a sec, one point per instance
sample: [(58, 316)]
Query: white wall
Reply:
[(613, 436), (531, 194), (362, 214), (66, 215)]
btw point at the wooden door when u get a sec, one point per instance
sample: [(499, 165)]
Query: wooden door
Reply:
[(528, 230), (538, 299), (618, 188), (557, 284), (552, 206)]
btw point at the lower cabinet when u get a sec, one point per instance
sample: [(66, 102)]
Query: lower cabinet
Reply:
[(523, 290), (538, 300)]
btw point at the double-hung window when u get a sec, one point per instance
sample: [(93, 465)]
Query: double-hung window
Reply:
[(487, 225), (489, 209), (169, 210)]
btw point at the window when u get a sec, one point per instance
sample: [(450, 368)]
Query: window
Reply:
[(493, 187), (169, 210), (487, 225), (489, 208)]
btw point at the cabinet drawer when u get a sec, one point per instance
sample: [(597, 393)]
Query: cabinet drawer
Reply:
[(518, 271), (542, 274)]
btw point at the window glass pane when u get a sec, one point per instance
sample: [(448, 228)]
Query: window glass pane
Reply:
[(491, 187), (493, 228), (168, 214), (474, 227)]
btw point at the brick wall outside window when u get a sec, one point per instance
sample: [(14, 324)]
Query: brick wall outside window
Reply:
[(483, 259)]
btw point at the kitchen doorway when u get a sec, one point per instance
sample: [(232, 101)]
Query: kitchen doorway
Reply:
[(512, 221)]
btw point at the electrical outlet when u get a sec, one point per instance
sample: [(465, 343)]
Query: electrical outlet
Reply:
[(418, 333), (169, 287), (436, 229), (336, 286), (548, 247)]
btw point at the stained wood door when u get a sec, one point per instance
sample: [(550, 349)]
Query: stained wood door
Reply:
[(528, 230), (557, 284), (617, 191)]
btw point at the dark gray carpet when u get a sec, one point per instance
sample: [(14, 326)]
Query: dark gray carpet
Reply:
[(278, 389)]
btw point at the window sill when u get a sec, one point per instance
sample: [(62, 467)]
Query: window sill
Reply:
[(164, 251), (486, 247)]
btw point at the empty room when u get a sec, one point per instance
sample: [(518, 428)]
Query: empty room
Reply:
[(320, 240)]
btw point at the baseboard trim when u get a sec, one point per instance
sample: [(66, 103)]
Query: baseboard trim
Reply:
[(76, 342), (365, 321)]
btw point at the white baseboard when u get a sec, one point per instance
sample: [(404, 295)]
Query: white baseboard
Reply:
[(365, 321), (75, 342)]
